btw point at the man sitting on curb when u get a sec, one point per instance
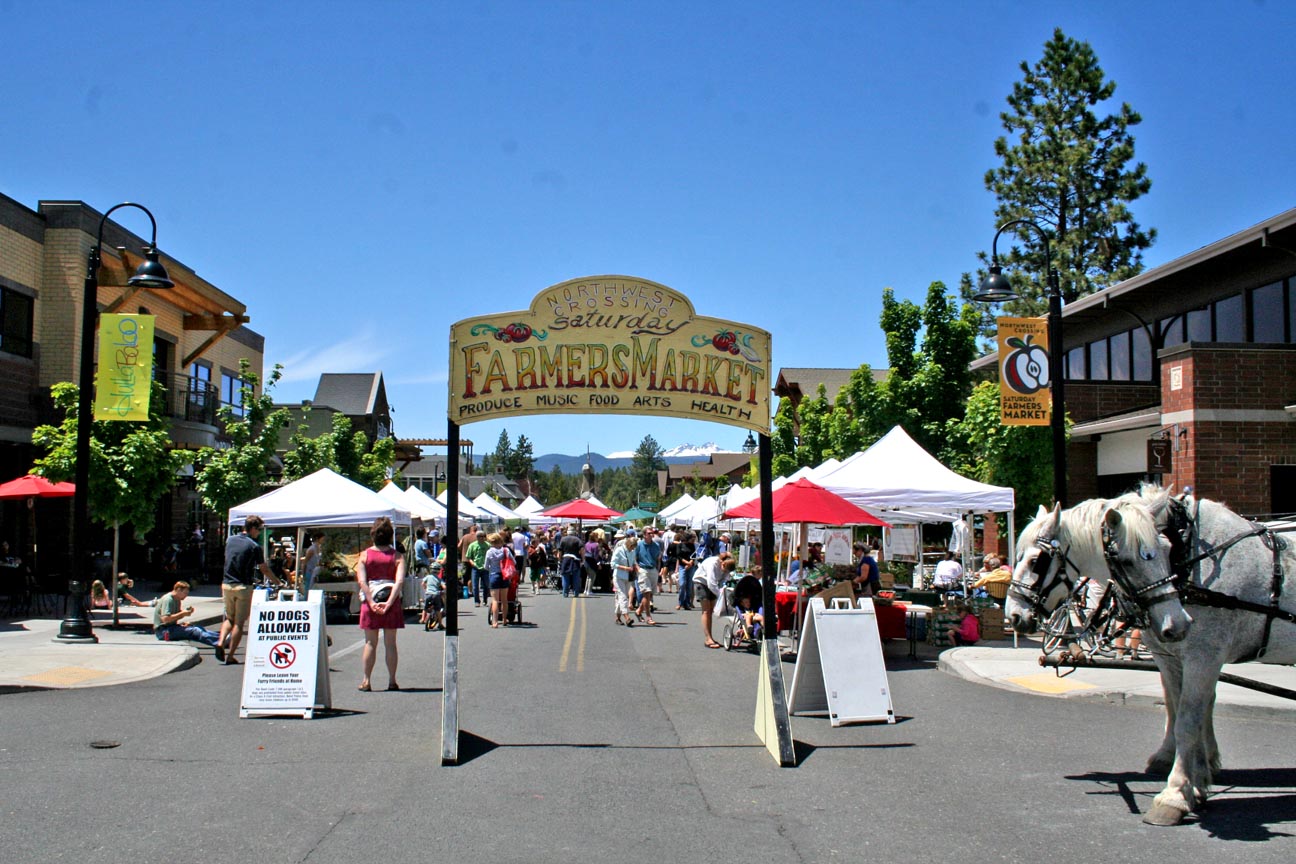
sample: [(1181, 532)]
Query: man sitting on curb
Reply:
[(168, 626)]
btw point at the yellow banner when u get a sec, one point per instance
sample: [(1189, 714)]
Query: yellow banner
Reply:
[(610, 345), (123, 380), (1024, 397)]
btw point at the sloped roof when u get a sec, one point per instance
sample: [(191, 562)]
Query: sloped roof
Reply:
[(352, 393), (805, 381), (719, 465)]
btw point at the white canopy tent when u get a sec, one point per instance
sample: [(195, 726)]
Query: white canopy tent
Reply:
[(699, 514), (425, 506), (680, 503), (466, 507), (529, 507), (896, 478), (494, 508), (321, 500)]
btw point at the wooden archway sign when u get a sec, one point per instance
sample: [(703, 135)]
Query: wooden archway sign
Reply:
[(611, 345)]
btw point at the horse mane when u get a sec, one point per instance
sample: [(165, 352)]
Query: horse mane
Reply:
[(1081, 526)]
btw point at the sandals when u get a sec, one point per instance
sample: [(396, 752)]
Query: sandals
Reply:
[(713, 645), (365, 688)]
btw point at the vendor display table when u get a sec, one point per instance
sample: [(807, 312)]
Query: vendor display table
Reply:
[(890, 617)]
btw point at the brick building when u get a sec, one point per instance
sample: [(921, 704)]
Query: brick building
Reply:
[(1198, 353), (200, 339)]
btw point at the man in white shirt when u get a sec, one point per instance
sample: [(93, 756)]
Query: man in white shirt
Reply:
[(948, 574)]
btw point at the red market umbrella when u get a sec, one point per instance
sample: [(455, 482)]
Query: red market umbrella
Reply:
[(803, 501), (33, 486), (579, 508)]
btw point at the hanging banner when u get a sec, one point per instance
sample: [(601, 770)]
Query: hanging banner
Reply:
[(610, 345), (124, 379), (1024, 396)]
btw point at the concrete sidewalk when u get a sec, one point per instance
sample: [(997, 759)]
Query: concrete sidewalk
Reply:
[(32, 658), (998, 664)]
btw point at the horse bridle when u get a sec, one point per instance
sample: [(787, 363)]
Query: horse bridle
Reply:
[(1032, 594), (1146, 596)]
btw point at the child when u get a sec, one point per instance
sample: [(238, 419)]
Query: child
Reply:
[(99, 598), (968, 629), (433, 594), (124, 598)]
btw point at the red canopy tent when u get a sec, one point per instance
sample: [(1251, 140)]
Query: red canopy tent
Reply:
[(579, 508), (804, 501)]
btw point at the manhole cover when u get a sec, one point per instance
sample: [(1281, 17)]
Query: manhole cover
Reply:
[(105, 745)]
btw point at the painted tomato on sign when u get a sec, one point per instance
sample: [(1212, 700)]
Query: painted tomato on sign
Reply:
[(1026, 368)]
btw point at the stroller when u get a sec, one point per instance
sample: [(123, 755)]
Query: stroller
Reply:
[(514, 615), (742, 598)]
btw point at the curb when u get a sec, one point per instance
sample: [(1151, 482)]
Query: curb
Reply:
[(950, 664)]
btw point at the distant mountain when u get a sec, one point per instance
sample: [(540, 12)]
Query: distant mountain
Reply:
[(683, 454)]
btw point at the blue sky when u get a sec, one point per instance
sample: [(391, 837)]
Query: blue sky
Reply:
[(363, 174)]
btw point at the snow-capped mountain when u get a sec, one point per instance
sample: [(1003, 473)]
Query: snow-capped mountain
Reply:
[(572, 464), (701, 451)]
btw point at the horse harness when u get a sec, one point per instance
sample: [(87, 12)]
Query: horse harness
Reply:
[(1181, 531), (1033, 593)]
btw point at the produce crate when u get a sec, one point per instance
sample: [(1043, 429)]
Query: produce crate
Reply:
[(992, 623), (938, 631)]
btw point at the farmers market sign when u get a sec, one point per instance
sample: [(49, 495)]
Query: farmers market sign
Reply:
[(610, 345), (1024, 396)]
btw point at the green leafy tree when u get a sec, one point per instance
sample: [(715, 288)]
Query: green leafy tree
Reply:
[(642, 473), (132, 465), (554, 487), (929, 381), (1016, 456), (342, 450), (228, 476), (1072, 172)]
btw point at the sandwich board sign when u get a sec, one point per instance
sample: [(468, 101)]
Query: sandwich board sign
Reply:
[(285, 672), (839, 666)]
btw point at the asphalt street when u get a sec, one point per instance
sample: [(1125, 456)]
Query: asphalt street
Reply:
[(584, 741)]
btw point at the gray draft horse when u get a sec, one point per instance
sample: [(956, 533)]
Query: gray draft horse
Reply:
[(1230, 558)]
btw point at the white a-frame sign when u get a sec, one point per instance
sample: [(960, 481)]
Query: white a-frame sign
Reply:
[(285, 672), (839, 666)]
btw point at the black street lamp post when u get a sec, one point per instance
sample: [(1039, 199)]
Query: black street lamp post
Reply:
[(996, 288), (151, 275)]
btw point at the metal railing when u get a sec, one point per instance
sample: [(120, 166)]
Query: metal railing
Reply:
[(190, 398)]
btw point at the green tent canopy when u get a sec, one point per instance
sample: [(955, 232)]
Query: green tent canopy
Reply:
[(635, 514)]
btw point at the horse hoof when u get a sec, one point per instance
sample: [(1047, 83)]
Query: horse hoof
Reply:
[(1163, 815)]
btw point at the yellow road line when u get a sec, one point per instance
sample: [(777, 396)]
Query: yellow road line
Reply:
[(571, 629), (580, 652)]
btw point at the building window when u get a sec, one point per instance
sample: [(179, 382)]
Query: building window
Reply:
[(232, 393), (15, 323), (1120, 357), (1098, 368), (1268, 317), (1172, 332), (1199, 325), (1230, 320), (1142, 354), (1075, 364)]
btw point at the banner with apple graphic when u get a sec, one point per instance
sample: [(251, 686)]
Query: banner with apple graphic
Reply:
[(1024, 396)]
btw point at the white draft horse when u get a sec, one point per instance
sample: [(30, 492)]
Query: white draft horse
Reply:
[(1223, 560)]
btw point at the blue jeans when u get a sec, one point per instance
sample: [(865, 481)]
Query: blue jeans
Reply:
[(686, 586), (571, 575), (480, 585), (177, 633)]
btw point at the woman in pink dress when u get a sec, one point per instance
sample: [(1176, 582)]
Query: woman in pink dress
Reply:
[(380, 572)]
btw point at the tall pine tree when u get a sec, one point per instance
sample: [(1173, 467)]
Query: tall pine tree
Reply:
[(1071, 172)]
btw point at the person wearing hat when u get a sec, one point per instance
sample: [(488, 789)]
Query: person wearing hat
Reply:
[(648, 559), (624, 569)]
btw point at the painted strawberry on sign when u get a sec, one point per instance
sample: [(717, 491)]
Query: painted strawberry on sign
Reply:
[(1026, 368)]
